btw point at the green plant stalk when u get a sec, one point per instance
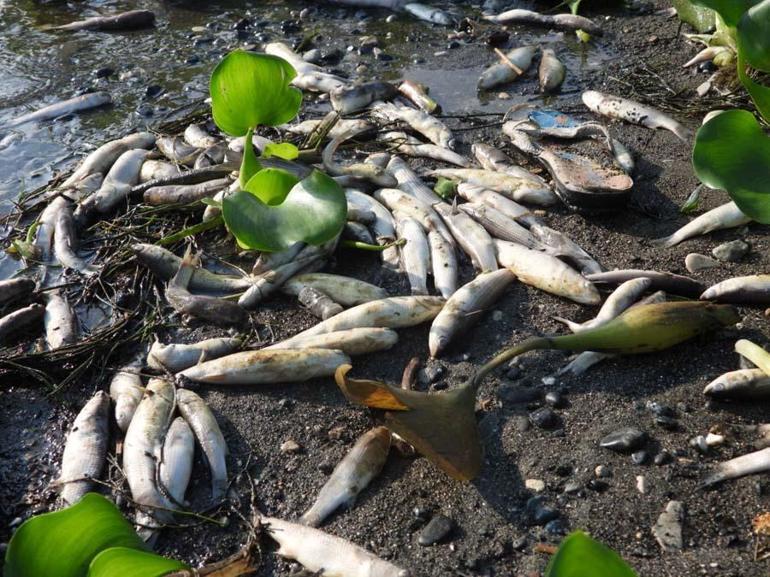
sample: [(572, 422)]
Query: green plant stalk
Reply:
[(191, 230), (372, 247), (754, 353)]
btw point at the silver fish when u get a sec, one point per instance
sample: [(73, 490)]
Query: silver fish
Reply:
[(754, 289), (514, 187), (61, 323), (405, 204), (15, 288), (558, 244), (582, 362), (361, 215), (471, 236), (465, 307), (725, 216), (496, 201), (214, 155), (410, 183), (559, 21), (116, 187), (410, 146), (153, 169), (46, 226), (621, 298), (415, 254), (197, 136), (66, 242), (321, 82), (178, 357), (176, 460), (388, 4), (70, 106), (184, 193), (351, 476), (320, 552), (177, 150), (318, 303), (498, 225), (664, 281), (345, 290), (428, 14), (745, 384), (418, 94), (352, 342), (355, 98), (551, 72), (268, 261), (203, 423), (343, 126), (633, 112), (85, 451), (367, 171), (131, 20), (502, 73), (384, 227), (491, 158), (101, 159), (750, 464), (126, 391), (444, 264), (266, 367), (432, 128), (20, 319)]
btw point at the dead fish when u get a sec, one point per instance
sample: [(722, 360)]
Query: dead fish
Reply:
[(126, 391), (750, 464), (212, 309), (343, 126), (633, 112), (499, 225), (66, 242), (197, 136), (165, 264), (444, 264), (560, 245), (361, 215), (155, 169), (663, 281), (432, 128), (465, 307), (267, 367), (415, 254), (318, 303), (73, 105), (471, 236), (46, 226), (745, 384), (388, 4), (384, 227), (203, 423), (546, 273), (405, 204), (551, 72), (321, 82), (357, 232), (101, 159), (15, 288), (354, 99), (410, 183), (392, 313), (496, 201), (367, 171), (428, 14), (116, 187), (359, 341), (176, 357), (177, 150), (61, 324), (176, 460), (131, 20), (621, 298), (754, 289), (351, 476), (320, 552), (726, 216), (142, 448), (558, 21), (502, 72), (490, 158), (514, 187), (214, 155), (85, 451), (418, 94), (268, 261), (410, 146), (20, 319), (705, 55), (345, 290), (184, 193)]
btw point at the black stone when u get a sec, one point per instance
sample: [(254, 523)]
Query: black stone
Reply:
[(662, 458), (104, 72), (659, 409), (436, 530), (153, 90), (668, 423), (517, 395), (598, 485), (639, 457), (624, 440), (554, 398), (543, 515), (556, 527), (543, 418)]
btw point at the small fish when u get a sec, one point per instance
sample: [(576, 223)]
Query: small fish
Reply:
[(384, 227), (471, 236), (268, 367), (465, 307), (214, 155), (388, 4), (85, 451), (115, 188), (176, 461), (319, 552), (633, 112), (20, 319), (351, 476), (131, 20), (15, 288), (428, 14), (76, 104), (361, 215), (101, 159), (203, 423), (345, 290), (126, 391), (663, 281), (177, 150), (153, 169), (343, 126), (558, 21), (178, 357), (502, 72), (410, 183), (432, 128), (415, 254), (705, 55), (551, 72), (491, 158), (725, 216), (546, 273), (496, 201), (354, 99), (514, 187), (749, 464), (621, 298), (184, 193), (745, 384), (318, 303), (499, 225), (359, 341), (197, 136), (418, 94), (560, 245), (61, 323), (444, 264), (321, 82), (410, 146), (46, 227), (268, 261), (754, 289), (367, 171), (66, 242), (212, 309), (405, 204)]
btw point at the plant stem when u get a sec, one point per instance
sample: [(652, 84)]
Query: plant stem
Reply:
[(191, 230)]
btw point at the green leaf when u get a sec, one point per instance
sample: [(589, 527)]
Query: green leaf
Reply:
[(127, 562), (754, 36), (250, 89), (730, 10), (63, 543), (580, 556), (700, 18), (285, 150), (314, 211), (733, 153), (249, 163), (760, 95), (271, 185)]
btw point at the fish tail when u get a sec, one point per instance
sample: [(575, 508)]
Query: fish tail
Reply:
[(666, 241), (310, 519), (572, 325)]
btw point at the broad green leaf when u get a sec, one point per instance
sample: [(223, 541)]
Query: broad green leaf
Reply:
[(249, 163), (250, 89), (271, 185), (730, 10), (754, 36), (314, 211), (700, 18), (760, 94), (63, 543), (733, 153), (285, 150), (125, 562), (580, 556)]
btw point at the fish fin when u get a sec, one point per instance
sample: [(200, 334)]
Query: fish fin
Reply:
[(370, 393), (665, 242)]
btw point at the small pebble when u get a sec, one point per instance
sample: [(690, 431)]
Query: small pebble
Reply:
[(571, 487), (290, 446), (556, 527), (598, 485), (430, 374), (699, 443), (639, 457), (548, 381), (543, 418), (436, 530), (668, 423), (662, 458), (391, 18), (732, 251), (641, 484), (602, 472), (517, 395), (519, 543), (668, 528), (713, 440), (536, 485), (554, 398), (624, 440), (695, 262)]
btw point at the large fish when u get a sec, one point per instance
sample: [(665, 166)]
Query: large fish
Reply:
[(175, 466), (101, 159), (352, 342), (726, 216), (502, 72), (76, 104), (178, 357)]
